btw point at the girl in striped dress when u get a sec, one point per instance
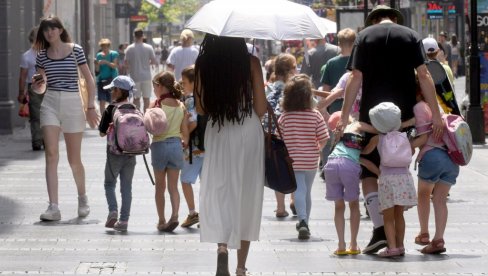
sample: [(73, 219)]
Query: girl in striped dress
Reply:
[(305, 134)]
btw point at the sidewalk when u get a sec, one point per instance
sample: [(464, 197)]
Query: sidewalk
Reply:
[(84, 246)]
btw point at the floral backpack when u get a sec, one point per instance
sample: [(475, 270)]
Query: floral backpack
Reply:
[(458, 139), (395, 150), (127, 134)]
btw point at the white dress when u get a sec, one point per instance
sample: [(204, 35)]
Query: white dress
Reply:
[(232, 182)]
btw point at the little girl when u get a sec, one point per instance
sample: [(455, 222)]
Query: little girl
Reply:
[(341, 173), (167, 149), (305, 134), (437, 174), (116, 165), (396, 188)]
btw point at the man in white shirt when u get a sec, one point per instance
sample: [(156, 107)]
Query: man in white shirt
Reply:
[(184, 55), (27, 70), (138, 59)]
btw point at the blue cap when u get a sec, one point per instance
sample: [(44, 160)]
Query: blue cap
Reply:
[(122, 82)]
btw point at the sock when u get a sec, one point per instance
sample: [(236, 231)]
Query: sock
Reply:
[(373, 206)]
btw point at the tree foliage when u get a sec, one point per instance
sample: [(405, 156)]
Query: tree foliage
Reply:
[(173, 11)]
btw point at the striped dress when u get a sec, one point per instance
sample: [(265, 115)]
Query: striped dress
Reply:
[(302, 131)]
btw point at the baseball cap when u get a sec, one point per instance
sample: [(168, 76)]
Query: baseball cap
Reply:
[(383, 10), (386, 117), (122, 82), (430, 45)]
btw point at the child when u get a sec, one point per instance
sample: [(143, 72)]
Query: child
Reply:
[(396, 188), (167, 149), (305, 133), (116, 165), (437, 174), (192, 167), (341, 173)]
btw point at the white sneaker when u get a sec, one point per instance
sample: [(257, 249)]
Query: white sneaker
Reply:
[(52, 213), (83, 208)]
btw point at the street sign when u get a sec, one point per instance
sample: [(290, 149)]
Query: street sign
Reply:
[(138, 18)]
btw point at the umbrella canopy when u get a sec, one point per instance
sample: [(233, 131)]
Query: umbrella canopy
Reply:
[(261, 19), (330, 25)]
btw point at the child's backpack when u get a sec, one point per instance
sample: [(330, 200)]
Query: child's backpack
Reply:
[(155, 121), (458, 139), (197, 136), (395, 150), (127, 133)]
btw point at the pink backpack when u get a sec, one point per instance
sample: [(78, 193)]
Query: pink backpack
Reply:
[(395, 150), (127, 133), (458, 139)]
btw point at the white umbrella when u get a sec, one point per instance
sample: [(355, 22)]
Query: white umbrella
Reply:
[(261, 19), (330, 25)]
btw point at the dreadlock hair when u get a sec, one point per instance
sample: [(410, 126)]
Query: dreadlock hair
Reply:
[(167, 79), (223, 79)]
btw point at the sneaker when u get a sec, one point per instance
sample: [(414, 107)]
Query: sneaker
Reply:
[(51, 214), (83, 208), (111, 219), (377, 242), (121, 226), (303, 231), (190, 220)]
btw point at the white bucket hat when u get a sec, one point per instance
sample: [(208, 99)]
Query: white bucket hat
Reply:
[(386, 117)]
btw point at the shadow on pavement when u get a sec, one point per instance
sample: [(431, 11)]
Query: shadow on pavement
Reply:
[(409, 258), (9, 214), (73, 221)]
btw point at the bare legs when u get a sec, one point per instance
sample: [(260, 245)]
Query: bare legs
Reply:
[(189, 197), (73, 149), (439, 192), (222, 258), (394, 223), (172, 176), (339, 221)]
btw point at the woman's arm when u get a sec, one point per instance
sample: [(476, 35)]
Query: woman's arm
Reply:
[(408, 123), (419, 141), (91, 114), (259, 97)]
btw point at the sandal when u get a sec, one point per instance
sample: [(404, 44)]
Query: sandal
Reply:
[(353, 251), (283, 214), (161, 225), (422, 239), (171, 225), (241, 272), (293, 209), (434, 247), (339, 252), (390, 252)]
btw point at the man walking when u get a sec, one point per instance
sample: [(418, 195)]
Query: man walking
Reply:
[(318, 56), (138, 59), (384, 59)]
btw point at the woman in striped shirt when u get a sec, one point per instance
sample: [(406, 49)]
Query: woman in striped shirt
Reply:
[(305, 134), (57, 63)]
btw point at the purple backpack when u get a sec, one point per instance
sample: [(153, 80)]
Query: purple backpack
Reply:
[(127, 134), (395, 150), (458, 139)]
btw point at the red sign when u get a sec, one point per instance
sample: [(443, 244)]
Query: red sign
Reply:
[(138, 18)]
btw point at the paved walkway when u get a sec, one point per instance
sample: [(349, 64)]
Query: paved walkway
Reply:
[(84, 246)]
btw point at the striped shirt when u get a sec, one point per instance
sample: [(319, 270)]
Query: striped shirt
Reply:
[(62, 74), (302, 131)]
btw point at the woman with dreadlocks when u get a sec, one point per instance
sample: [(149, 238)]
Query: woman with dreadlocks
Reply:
[(229, 88)]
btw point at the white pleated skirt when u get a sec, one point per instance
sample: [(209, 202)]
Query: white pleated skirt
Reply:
[(232, 183)]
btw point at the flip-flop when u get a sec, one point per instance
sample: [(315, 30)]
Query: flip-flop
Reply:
[(353, 251), (338, 252)]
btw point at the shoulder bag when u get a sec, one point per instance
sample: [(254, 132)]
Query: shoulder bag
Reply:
[(278, 163)]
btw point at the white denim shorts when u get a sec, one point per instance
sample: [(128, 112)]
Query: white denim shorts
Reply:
[(143, 89), (63, 109)]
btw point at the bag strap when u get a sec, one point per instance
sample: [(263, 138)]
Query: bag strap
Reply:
[(272, 119)]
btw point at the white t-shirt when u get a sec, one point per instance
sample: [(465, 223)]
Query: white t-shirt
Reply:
[(182, 57), (28, 61), (139, 56)]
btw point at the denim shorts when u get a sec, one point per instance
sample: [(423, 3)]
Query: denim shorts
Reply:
[(436, 166), (167, 154), (103, 94), (342, 179), (190, 172)]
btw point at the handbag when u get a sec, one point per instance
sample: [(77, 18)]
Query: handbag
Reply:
[(278, 163), (24, 108), (82, 86)]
